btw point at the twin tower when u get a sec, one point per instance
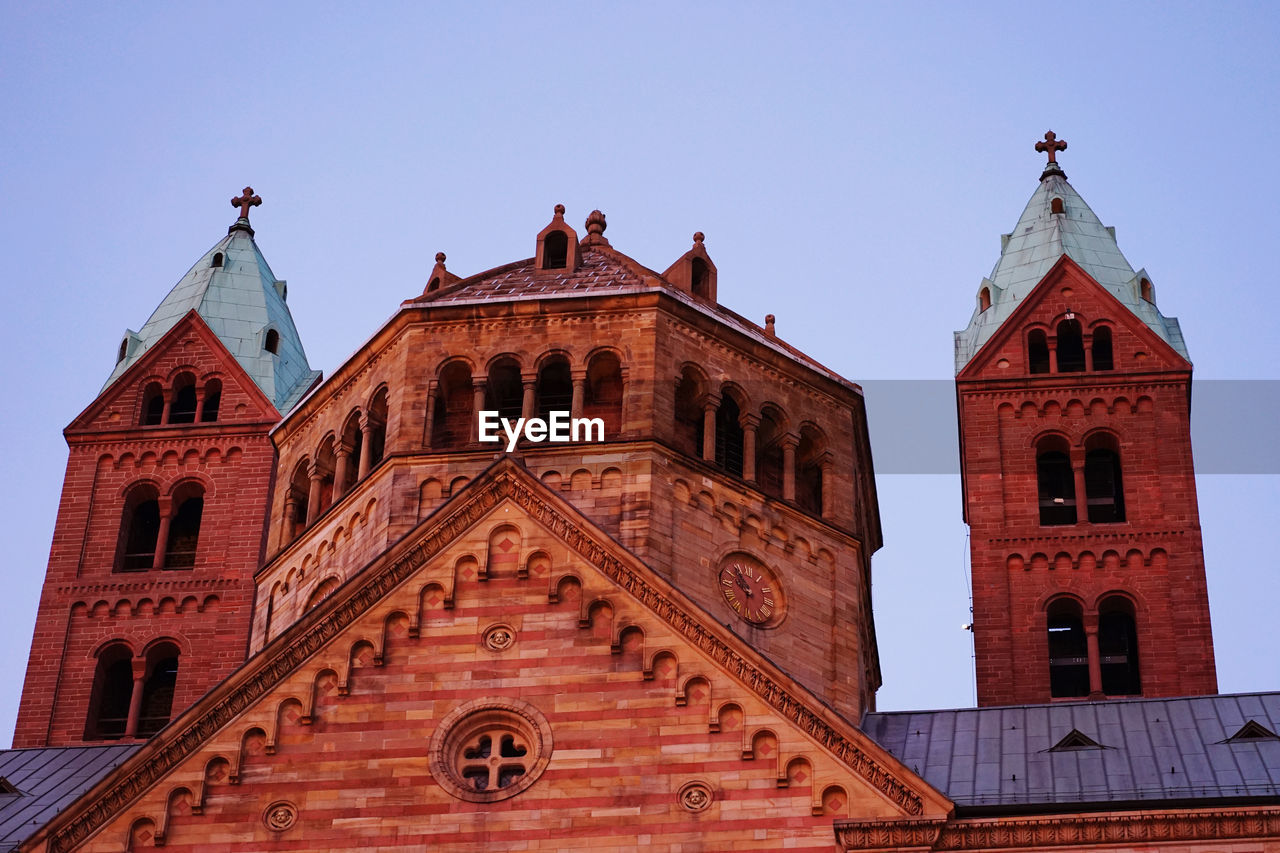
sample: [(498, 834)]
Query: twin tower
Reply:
[(217, 490)]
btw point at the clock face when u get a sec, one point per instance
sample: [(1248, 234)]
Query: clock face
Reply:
[(751, 590)]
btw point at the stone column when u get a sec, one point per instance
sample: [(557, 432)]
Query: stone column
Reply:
[(135, 699), (750, 423), (1053, 353), (165, 507), (291, 515), (366, 455), (477, 404), (710, 404), (430, 419), (313, 497), (826, 465), (1082, 493), (1087, 342), (1095, 659), (343, 455), (789, 444), (579, 393), (528, 406)]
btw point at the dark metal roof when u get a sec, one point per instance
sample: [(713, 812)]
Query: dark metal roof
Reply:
[(47, 781), (1151, 749)]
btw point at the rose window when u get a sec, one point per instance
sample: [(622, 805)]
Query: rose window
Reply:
[(490, 749)]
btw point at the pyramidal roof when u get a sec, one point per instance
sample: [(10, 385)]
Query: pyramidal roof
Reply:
[(241, 300), (1039, 240)]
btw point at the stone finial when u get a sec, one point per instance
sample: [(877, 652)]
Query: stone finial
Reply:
[(1052, 145), (768, 325), (595, 230), (559, 210), (698, 236), (440, 258)]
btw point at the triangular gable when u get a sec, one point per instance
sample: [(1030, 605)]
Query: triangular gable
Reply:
[(679, 672), (1075, 739), (122, 394), (1252, 731), (1164, 355)]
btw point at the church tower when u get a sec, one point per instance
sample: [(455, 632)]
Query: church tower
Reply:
[(1074, 397), (149, 592)]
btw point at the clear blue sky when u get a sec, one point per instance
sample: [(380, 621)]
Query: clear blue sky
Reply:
[(852, 165)]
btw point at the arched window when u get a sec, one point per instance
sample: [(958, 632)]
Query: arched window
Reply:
[(809, 470), (158, 688), (153, 405), (1056, 206), (297, 499), (139, 530), (1145, 289), (1102, 356), (1056, 485), (1118, 647), (603, 398), (377, 427), (184, 528), (729, 435), (111, 694), (217, 260), (272, 342), (353, 438), (454, 424), (212, 400), (505, 391), (1037, 351), (688, 414), (555, 388), (434, 284), (1068, 649), (698, 277), (1070, 347), (1103, 486), (326, 463), (984, 299), (183, 409), (555, 251), (123, 351), (769, 455)]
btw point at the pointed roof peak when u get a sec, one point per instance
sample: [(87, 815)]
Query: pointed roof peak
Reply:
[(237, 295), (1057, 221)]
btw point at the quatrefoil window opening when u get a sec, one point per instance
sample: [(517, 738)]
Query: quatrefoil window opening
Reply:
[(485, 771)]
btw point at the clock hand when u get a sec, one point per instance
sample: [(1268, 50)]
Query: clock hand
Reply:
[(742, 582)]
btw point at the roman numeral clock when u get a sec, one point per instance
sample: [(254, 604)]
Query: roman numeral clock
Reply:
[(751, 589)]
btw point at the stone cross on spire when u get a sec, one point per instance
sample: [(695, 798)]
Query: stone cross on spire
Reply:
[(1052, 145), (246, 200)]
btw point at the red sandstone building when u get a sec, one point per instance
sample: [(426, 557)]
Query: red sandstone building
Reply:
[(286, 613)]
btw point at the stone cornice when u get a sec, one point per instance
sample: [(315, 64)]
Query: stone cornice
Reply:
[(1088, 831), (504, 481)]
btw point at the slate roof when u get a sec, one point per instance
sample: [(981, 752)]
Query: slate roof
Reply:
[(601, 270), (48, 780), (239, 301), (1152, 749), (1036, 243)]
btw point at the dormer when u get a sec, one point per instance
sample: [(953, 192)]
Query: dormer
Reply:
[(557, 246), (694, 272)]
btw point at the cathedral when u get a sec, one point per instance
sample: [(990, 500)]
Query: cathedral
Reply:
[(569, 555)]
